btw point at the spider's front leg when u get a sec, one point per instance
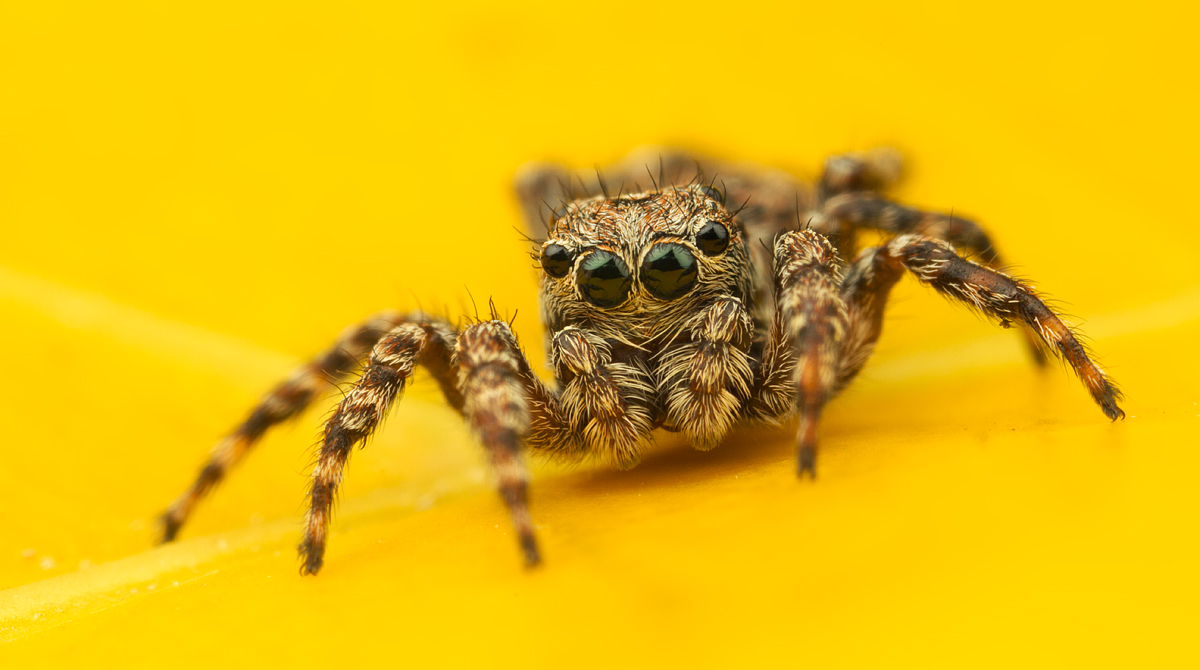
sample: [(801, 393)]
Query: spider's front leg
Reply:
[(805, 338), (388, 370), (491, 378), (290, 398), (491, 372)]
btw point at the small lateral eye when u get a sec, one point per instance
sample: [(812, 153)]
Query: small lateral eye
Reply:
[(603, 279), (713, 238), (713, 192), (557, 260)]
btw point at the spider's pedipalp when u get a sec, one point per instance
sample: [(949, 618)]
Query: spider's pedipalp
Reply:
[(996, 294), (282, 403), (607, 404), (362, 410), (705, 381)]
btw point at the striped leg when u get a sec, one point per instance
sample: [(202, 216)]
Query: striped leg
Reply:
[(865, 289), (491, 372), (388, 370), (873, 211), (283, 402), (996, 294), (850, 211), (810, 323)]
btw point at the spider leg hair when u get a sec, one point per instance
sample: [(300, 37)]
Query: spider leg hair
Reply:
[(605, 404), (865, 289), (998, 295), (388, 370), (283, 402), (491, 374), (809, 325), (706, 380), (850, 211)]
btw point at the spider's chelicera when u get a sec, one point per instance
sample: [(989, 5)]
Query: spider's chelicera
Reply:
[(664, 308)]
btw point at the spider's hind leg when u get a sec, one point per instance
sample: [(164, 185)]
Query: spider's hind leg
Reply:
[(873, 170)]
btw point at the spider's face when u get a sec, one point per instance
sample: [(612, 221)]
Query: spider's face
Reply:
[(636, 265)]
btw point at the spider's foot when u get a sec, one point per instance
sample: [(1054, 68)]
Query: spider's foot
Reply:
[(169, 524), (529, 548), (806, 461), (1111, 410), (1104, 392), (313, 556)]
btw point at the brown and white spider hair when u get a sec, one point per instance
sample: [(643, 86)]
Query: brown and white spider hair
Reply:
[(688, 306)]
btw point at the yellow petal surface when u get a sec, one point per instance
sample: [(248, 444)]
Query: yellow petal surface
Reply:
[(194, 199)]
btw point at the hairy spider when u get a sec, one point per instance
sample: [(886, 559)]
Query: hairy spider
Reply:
[(663, 309)]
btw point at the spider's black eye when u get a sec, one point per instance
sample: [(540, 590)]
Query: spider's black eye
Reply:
[(603, 279), (713, 238), (668, 271), (713, 192), (556, 260)]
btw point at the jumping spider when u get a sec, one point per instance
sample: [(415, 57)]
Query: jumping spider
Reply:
[(688, 307)]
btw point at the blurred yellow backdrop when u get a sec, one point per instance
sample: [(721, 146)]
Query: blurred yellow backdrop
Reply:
[(193, 198)]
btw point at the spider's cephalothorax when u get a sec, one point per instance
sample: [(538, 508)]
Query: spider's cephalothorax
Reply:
[(666, 309), (630, 286)]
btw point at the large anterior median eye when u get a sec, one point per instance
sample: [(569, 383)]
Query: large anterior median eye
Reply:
[(668, 270), (603, 279)]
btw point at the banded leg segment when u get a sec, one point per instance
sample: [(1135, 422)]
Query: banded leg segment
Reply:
[(996, 294), (865, 290), (491, 373), (388, 370), (873, 211), (812, 317), (283, 402), (850, 211)]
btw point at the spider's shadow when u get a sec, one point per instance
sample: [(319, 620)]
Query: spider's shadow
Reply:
[(672, 461)]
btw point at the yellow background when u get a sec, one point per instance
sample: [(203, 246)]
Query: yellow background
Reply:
[(194, 199)]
